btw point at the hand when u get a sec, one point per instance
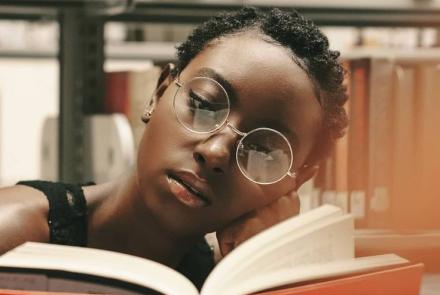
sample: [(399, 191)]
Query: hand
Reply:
[(256, 221)]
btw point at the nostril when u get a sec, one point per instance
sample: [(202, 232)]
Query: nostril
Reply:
[(199, 158), (218, 170)]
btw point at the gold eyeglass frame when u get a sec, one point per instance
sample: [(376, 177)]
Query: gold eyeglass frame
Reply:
[(234, 129)]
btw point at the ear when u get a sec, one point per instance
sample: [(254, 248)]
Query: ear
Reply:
[(165, 79), (305, 173)]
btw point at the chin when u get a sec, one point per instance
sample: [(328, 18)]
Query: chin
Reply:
[(171, 215)]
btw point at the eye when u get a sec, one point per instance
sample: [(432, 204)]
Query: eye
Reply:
[(259, 147), (199, 102)]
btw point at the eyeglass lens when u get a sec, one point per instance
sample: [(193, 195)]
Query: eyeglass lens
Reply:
[(201, 105), (263, 155)]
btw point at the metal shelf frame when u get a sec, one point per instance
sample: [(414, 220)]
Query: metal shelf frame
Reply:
[(81, 42), (399, 13)]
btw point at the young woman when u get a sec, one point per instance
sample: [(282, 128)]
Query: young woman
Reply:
[(231, 132)]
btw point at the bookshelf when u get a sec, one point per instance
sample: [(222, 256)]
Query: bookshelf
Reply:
[(81, 44)]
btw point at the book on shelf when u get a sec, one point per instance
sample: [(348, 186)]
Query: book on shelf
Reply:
[(331, 181), (403, 144), (310, 249), (390, 159), (403, 159), (427, 153), (328, 193), (318, 185), (416, 160), (117, 97), (358, 133), (340, 171), (380, 114)]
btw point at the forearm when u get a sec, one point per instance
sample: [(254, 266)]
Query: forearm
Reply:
[(22, 217)]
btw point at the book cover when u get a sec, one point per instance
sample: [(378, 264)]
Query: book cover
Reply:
[(403, 280)]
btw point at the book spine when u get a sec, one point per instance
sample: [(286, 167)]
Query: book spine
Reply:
[(319, 181), (340, 171), (380, 141), (117, 98), (427, 167), (403, 146), (328, 192), (358, 141)]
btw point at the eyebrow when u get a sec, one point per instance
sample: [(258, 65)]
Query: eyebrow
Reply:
[(211, 73), (280, 127)]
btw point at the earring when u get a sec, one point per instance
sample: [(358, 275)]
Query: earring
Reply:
[(146, 116)]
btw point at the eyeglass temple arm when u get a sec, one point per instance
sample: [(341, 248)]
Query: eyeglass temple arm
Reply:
[(176, 81)]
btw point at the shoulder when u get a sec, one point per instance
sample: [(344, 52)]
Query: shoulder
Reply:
[(23, 216)]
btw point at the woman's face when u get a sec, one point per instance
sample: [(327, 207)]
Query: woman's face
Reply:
[(269, 90)]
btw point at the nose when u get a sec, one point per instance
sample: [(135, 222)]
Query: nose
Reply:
[(214, 153)]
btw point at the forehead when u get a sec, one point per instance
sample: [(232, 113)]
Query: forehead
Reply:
[(268, 84)]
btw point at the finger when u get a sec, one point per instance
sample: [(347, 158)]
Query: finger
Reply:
[(238, 232), (286, 206), (224, 243), (256, 221), (226, 237), (226, 248), (306, 173)]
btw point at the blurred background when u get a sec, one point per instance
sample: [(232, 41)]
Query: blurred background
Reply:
[(75, 76)]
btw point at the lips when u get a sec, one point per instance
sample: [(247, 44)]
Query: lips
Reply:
[(190, 189)]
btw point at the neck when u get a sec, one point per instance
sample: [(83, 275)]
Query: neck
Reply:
[(119, 221)]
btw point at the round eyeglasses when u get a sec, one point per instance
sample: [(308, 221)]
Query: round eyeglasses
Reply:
[(263, 155)]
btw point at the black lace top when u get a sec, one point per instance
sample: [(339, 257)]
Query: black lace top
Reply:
[(67, 220)]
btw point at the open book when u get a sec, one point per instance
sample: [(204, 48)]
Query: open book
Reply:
[(314, 246)]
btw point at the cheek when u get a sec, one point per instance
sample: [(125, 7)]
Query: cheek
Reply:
[(158, 144)]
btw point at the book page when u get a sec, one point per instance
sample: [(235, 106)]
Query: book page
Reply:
[(106, 264), (332, 242), (321, 244), (267, 249)]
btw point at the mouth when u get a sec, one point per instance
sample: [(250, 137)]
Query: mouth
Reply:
[(183, 188)]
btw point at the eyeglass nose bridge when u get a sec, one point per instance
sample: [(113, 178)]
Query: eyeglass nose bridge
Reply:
[(233, 128)]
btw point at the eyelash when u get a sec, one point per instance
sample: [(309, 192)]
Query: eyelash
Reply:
[(204, 104)]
